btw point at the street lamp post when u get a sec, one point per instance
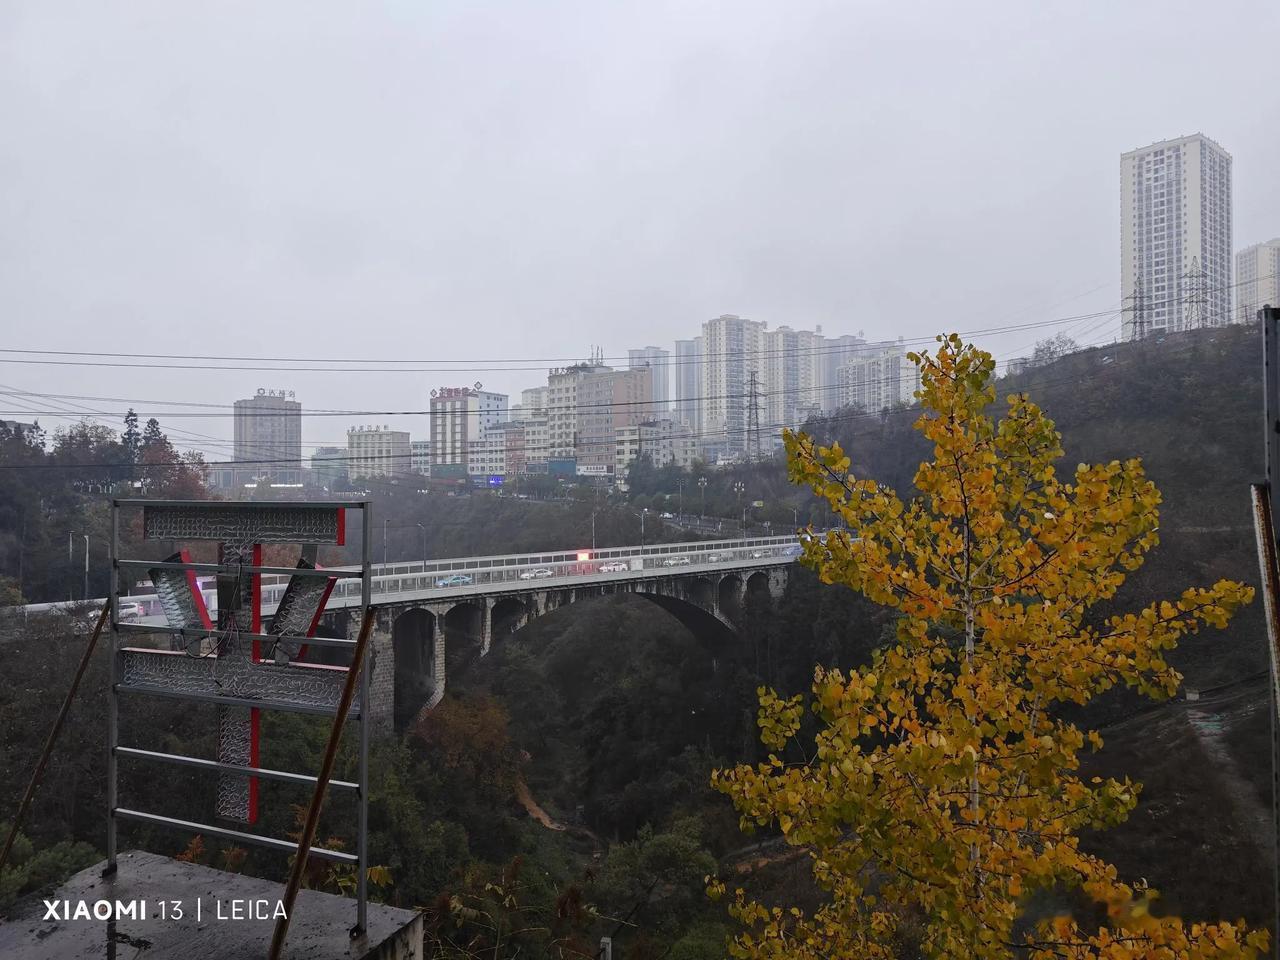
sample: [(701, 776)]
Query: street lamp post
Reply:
[(643, 511), (86, 566), (738, 487), (384, 541), (680, 497), (702, 485), (424, 545)]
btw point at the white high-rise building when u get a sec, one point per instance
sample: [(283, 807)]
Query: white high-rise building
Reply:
[(732, 361), (782, 362), (687, 384), (657, 360), (1175, 236), (1257, 279), (810, 358), (835, 353)]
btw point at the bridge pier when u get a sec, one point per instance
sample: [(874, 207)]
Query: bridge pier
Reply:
[(381, 664), (486, 626), (440, 612)]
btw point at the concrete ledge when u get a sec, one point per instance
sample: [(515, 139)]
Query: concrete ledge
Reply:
[(235, 918)]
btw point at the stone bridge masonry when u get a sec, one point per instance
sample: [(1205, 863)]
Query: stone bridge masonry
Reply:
[(414, 641)]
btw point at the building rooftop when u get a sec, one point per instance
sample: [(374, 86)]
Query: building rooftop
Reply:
[(1166, 143)]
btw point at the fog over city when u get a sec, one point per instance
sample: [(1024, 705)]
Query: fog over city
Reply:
[(520, 181)]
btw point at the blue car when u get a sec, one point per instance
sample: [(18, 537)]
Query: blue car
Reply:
[(457, 580)]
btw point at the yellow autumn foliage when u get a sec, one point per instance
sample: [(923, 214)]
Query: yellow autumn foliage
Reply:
[(943, 789)]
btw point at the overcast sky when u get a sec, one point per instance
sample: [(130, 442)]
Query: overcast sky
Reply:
[(478, 181)]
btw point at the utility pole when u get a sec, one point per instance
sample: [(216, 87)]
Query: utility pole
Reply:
[(643, 511), (86, 567), (738, 487), (1267, 532), (424, 545), (680, 497), (384, 542), (1139, 310)]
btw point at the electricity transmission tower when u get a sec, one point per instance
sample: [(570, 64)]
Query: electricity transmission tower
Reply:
[(1137, 311), (753, 417), (1195, 303)]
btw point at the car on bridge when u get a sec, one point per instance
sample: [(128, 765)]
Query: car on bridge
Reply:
[(539, 573), (757, 554), (717, 557), (675, 561), (457, 580), (614, 566)]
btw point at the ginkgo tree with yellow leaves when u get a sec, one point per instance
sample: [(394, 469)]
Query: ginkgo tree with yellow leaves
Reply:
[(943, 788)]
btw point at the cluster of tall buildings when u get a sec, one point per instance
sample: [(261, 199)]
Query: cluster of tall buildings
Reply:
[(722, 396), (725, 394), (1176, 242)]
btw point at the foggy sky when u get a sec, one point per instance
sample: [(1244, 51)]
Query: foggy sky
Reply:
[(472, 181)]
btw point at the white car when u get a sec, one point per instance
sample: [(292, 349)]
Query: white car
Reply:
[(757, 554), (717, 557), (675, 562), (667, 516), (539, 573), (614, 566)]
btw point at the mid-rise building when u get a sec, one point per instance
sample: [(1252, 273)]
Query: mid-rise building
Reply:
[(533, 404), (607, 400), (267, 437), (486, 457), (1257, 279), (732, 383), (879, 377), (459, 417), (687, 383), (562, 406), (377, 452), (658, 361), (420, 456), (664, 442), (329, 467), (1175, 236), (537, 443)]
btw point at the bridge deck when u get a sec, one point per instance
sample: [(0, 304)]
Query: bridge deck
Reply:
[(438, 580)]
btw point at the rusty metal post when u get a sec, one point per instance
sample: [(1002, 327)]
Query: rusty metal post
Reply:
[(1268, 536), (322, 784), (1270, 572), (53, 734)]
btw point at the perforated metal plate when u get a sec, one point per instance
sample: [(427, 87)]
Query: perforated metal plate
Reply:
[(241, 525)]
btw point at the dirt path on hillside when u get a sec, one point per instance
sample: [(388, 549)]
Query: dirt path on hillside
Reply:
[(533, 809)]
